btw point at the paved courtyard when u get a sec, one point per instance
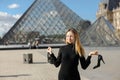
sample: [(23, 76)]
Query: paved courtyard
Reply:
[(12, 66)]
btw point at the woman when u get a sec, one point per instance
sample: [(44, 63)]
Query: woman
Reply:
[(69, 57)]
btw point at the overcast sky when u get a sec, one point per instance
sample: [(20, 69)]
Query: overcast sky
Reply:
[(11, 10)]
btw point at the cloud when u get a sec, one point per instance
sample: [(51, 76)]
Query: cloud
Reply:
[(8, 18), (7, 21), (4, 28), (17, 16), (13, 6)]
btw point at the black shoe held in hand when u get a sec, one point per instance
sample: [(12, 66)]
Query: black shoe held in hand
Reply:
[(100, 58)]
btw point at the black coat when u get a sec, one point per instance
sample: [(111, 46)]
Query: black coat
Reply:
[(69, 61)]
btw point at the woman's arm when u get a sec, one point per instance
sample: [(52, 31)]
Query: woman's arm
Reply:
[(56, 60), (86, 62)]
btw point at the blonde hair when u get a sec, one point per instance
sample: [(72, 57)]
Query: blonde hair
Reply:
[(78, 46)]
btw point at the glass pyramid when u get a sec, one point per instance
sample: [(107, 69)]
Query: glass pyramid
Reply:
[(100, 33), (45, 20)]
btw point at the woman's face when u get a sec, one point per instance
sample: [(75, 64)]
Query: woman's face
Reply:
[(70, 37)]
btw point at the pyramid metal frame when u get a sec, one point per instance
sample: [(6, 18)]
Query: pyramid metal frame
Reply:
[(47, 20), (100, 33)]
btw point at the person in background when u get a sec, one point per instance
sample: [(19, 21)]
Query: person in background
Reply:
[(29, 44)]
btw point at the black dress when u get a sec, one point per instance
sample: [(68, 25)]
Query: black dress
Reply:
[(69, 61)]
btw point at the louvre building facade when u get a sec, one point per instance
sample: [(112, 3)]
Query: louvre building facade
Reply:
[(48, 20), (110, 9)]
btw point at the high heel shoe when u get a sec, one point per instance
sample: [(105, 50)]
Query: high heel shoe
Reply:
[(100, 58)]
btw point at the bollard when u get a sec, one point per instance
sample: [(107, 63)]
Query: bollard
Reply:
[(28, 58)]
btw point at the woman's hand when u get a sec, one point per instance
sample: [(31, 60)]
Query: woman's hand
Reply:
[(93, 53), (49, 50)]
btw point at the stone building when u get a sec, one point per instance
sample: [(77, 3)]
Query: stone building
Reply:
[(110, 9)]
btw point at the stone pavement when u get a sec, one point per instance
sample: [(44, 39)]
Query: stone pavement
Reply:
[(12, 66)]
